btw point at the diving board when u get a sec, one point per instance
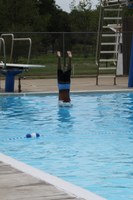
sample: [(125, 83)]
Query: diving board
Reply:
[(10, 70), (22, 66)]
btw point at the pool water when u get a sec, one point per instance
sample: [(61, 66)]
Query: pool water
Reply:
[(89, 144)]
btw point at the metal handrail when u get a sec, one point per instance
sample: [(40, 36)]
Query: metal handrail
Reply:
[(4, 51), (18, 39), (30, 44), (98, 35), (12, 37)]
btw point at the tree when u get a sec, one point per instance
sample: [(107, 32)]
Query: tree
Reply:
[(73, 5), (46, 6), (80, 15), (128, 12), (84, 5), (18, 15)]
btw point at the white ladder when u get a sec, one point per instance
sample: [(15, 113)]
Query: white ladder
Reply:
[(108, 39), (114, 2)]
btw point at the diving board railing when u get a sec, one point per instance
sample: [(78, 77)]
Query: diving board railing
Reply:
[(2, 42), (10, 70), (30, 43), (13, 39)]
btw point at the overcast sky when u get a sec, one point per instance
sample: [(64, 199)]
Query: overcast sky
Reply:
[(64, 4)]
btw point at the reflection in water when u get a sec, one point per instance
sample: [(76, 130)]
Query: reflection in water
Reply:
[(115, 112), (64, 117), (129, 106)]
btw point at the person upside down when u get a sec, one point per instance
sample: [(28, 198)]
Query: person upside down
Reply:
[(64, 79)]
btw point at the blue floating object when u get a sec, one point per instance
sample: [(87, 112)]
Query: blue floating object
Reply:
[(32, 135), (37, 135), (28, 135)]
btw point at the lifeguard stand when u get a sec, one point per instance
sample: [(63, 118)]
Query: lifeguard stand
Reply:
[(109, 39)]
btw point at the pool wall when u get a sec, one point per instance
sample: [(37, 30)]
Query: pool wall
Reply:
[(72, 92)]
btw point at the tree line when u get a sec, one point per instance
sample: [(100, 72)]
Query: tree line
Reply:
[(45, 16)]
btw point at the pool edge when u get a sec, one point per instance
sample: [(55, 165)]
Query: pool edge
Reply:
[(53, 180), (72, 92)]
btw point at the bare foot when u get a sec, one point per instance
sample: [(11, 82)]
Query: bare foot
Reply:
[(69, 54), (58, 54)]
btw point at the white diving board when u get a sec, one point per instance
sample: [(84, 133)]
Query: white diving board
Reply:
[(22, 66), (10, 70)]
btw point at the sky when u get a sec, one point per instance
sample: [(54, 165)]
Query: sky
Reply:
[(64, 4)]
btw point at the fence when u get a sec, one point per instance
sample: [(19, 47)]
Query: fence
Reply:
[(44, 48), (46, 44)]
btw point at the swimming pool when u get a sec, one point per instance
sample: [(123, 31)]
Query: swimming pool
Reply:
[(89, 144)]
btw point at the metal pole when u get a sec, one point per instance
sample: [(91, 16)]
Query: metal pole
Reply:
[(12, 43), (130, 80)]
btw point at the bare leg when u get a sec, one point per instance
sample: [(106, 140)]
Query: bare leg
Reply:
[(63, 79)]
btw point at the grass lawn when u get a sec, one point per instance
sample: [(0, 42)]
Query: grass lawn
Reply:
[(82, 66)]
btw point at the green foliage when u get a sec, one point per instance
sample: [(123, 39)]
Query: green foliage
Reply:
[(82, 66), (17, 15), (128, 12), (45, 16), (84, 5)]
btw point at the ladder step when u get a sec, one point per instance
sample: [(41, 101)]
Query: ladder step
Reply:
[(110, 35), (113, 9), (107, 75), (116, 2), (107, 68), (109, 43), (113, 26), (112, 5), (112, 18), (109, 52), (108, 60)]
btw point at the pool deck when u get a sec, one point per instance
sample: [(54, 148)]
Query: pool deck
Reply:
[(19, 181), (77, 84), (16, 184)]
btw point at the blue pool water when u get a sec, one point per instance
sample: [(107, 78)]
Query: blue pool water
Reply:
[(89, 144)]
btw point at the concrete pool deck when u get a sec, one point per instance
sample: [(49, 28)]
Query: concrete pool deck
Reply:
[(19, 181), (16, 184), (77, 84)]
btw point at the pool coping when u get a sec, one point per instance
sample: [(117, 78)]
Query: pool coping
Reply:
[(59, 183), (72, 92)]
